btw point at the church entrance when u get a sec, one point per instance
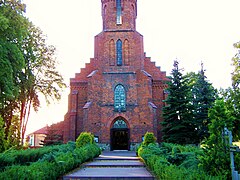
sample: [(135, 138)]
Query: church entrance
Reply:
[(120, 136)]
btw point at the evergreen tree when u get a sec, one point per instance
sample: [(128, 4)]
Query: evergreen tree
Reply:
[(177, 114), (203, 96), (2, 136), (52, 138), (215, 159)]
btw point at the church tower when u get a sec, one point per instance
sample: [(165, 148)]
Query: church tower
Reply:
[(119, 95)]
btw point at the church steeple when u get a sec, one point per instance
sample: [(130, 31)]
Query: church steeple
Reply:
[(119, 14)]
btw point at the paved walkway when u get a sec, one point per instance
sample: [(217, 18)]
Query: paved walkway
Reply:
[(114, 165)]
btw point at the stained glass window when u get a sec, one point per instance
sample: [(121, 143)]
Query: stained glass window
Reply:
[(119, 98), (119, 52), (120, 124), (119, 11)]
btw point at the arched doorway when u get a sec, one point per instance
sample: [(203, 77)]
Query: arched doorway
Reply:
[(120, 135)]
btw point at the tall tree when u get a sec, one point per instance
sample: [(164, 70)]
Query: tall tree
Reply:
[(40, 75), (203, 96), (215, 159), (232, 101), (232, 95), (14, 134), (12, 31), (178, 126), (29, 67), (236, 65), (2, 135)]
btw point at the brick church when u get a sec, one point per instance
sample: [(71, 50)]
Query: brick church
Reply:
[(119, 95)]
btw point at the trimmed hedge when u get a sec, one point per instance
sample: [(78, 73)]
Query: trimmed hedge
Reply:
[(54, 164), (171, 161), (25, 157)]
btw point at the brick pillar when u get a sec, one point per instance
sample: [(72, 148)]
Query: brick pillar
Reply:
[(73, 116)]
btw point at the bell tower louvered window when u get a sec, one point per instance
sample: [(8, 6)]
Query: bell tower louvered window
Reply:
[(119, 98)]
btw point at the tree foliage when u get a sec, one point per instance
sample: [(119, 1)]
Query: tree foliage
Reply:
[(28, 67), (186, 113), (216, 149), (231, 95), (232, 100), (236, 65), (52, 138), (2, 135), (84, 138), (203, 96), (149, 138), (178, 126)]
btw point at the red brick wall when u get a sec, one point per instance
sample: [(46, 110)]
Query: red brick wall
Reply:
[(91, 101), (109, 15)]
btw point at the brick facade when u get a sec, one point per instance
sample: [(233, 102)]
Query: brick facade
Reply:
[(91, 100)]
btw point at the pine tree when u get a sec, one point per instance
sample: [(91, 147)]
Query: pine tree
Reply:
[(177, 114), (203, 96)]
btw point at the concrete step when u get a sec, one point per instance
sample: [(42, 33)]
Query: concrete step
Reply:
[(115, 163), (118, 158), (110, 174)]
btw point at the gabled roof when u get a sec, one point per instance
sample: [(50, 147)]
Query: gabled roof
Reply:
[(41, 131)]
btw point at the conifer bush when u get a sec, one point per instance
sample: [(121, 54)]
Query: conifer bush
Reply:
[(84, 138), (149, 138)]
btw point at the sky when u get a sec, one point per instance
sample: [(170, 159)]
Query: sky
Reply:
[(192, 31)]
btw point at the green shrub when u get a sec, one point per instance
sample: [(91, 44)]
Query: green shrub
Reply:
[(54, 164), (25, 157), (84, 138), (171, 161), (149, 138)]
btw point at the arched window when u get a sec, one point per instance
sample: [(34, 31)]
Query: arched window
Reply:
[(119, 52), (104, 12), (112, 57), (119, 98), (120, 124), (126, 52), (119, 11)]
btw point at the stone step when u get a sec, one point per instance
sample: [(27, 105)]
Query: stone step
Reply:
[(110, 174), (118, 158), (115, 163)]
